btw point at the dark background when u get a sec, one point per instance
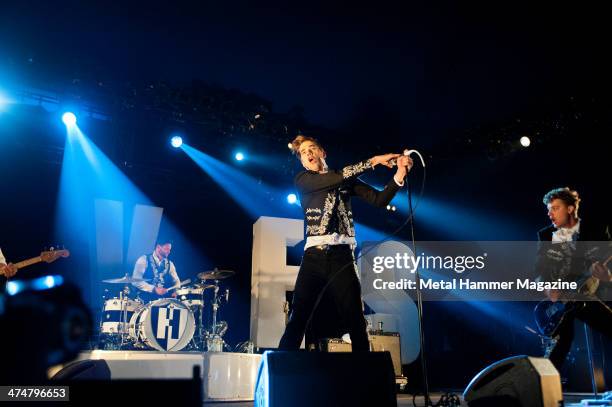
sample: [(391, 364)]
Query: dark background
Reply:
[(461, 83)]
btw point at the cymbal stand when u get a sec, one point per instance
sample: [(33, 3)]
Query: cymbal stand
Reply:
[(123, 297), (215, 307), (201, 322)]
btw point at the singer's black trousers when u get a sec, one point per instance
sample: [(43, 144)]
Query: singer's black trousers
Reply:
[(321, 265)]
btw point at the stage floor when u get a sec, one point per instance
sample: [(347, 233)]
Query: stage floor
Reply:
[(405, 400)]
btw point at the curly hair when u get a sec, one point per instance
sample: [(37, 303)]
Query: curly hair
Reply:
[(570, 197), (297, 142)]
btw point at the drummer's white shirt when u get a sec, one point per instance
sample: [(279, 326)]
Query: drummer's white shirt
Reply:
[(141, 266)]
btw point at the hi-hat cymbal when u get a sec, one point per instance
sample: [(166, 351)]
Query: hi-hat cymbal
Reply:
[(125, 280), (215, 274), (202, 285)]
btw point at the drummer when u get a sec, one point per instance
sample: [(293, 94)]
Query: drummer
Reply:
[(157, 268)]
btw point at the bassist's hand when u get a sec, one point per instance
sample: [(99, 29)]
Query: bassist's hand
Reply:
[(600, 272), (8, 270)]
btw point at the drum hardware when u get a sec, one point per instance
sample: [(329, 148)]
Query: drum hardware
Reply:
[(125, 305), (204, 286), (215, 342), (181, 284), (215, 274), (193, 297), (129, 323), (245, 347), (126, 280)]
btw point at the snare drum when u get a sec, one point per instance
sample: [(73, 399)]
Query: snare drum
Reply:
[(190, 296), (112, 316), (165, 324)]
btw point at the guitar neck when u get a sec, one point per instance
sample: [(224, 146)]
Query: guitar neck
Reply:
[(28, 262)]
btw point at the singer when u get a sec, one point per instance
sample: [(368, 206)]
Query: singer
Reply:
[(325, 196)]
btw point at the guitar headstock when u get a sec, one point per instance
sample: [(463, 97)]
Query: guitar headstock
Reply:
[(52, 255)]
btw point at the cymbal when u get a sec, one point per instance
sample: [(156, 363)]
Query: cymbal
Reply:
[(125, 280), (202, 285), (215, 274)]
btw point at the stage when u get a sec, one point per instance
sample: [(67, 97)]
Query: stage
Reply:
[(225, 376), (406, 400), (228, 379)]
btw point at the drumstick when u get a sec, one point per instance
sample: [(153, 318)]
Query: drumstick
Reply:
[(180, 285)]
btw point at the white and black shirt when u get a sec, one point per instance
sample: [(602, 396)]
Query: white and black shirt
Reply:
[(326, 200)]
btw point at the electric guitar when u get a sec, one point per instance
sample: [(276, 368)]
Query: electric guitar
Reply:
[(47, 257), (550, 315)]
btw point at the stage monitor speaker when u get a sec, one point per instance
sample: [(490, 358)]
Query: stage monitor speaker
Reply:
[(89, 383), (519, 381), (389, 342), (84, 370), (303, 378)]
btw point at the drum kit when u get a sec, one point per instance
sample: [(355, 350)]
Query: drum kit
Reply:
[(165, 324)]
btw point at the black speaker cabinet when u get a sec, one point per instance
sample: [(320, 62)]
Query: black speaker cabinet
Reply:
[(325, 379), (519, 381)]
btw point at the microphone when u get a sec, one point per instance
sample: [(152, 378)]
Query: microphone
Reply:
[(407, 152)]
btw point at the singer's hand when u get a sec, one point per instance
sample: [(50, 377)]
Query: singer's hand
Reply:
[(383, 159), (404, 164), (405, 161)]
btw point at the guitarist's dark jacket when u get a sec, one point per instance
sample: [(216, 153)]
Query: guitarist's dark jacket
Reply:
[(594, 243)]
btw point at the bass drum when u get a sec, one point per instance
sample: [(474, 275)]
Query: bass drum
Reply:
[(165, 324)]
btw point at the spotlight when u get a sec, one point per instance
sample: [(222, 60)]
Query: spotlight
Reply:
[(525, 141), (291, 198), (69, 119), (176, 141), (13, 287), (290, 146), (45, 283), (388, 207), (239, 156)]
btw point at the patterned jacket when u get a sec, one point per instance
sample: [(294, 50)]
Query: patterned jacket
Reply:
[(326, 198)]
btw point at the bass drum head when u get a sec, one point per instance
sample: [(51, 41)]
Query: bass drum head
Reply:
[(164, 324)]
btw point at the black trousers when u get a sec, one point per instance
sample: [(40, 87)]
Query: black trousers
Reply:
[(597, 315), (343, 294)]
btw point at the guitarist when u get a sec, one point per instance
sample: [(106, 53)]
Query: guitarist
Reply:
[(562, 205)]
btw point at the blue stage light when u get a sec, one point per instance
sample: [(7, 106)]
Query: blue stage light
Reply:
[(69, 119), (4, 101), (176, 141), (13, 287), (239, 156), (291, 198)]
